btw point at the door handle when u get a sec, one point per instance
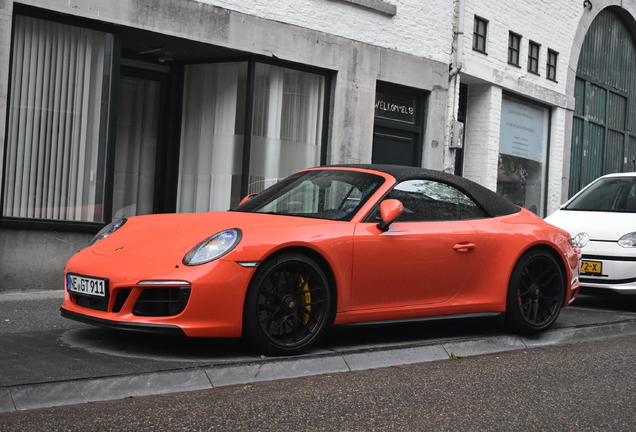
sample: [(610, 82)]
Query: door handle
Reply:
[(464, 247)]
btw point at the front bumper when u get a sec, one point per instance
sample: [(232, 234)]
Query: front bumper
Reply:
[(169, 330), (201, 301), (618, 271)]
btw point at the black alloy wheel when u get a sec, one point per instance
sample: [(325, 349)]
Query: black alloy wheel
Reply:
[(536, 292), (288, 305)]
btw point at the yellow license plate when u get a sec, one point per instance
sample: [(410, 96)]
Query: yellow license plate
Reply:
[(591, 267)]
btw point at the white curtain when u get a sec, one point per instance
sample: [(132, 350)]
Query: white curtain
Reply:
[(57, 130), (212, 140), (287, 124), (286, 131), (136, 148)]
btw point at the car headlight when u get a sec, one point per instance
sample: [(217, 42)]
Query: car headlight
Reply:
[(628, 240), (580, 239), (108, 230), (213, 247)]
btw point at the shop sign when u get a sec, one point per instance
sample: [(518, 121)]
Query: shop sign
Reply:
[(395, 107), (522, 130)]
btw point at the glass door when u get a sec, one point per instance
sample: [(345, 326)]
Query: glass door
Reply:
[(138, 123)]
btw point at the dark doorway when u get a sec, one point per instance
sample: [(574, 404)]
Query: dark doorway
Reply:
[(461, 117), (394, 146), (397, 131), (140, 138)]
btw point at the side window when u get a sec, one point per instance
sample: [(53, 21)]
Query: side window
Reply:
[(427, 200), (533, 57)]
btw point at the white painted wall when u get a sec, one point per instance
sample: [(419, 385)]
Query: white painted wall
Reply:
[(482, 134), (552, 24), (421, 28)]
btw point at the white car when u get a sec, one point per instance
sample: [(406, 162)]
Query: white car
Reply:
[(601, 218)]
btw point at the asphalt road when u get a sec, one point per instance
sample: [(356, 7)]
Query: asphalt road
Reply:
[(578, 387)]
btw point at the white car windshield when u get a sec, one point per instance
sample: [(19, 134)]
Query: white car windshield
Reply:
[(610, 194)]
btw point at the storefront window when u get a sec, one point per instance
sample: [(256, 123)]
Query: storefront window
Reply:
[(522, 153), (286, 135), (212, 137), (57, 128), (287, 124)]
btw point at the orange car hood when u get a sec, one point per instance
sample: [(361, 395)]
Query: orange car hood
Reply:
[(173, 235)]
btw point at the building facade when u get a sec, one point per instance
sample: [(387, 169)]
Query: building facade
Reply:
[(546, 94), (113, 109)]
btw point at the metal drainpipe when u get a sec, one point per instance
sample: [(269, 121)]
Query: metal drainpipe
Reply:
[(459, 51)]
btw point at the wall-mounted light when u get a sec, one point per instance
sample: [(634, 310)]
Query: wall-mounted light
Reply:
[(162, 54), (587, 4), (165, 57)]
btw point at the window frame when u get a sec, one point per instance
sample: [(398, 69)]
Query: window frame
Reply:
[(252, 61), (514, 48), (58, 224), (480, 38), (253, 66), (533, 61), (551, 66)]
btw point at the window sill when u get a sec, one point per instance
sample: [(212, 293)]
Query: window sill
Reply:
[(52, 225), (379, 6)]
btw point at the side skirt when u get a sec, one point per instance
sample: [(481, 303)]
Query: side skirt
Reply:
[(428, 318)]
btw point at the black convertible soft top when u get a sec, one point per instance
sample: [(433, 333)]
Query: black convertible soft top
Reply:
[(491, 202)]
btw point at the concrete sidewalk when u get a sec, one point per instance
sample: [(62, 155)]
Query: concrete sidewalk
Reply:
[(77, 364)]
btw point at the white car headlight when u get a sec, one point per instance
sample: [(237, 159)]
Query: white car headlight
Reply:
[(580, 239), (108, 230), (213, 247), (628, 240)]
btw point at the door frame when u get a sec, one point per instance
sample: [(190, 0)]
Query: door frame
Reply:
[(381, 124), (162, 182)]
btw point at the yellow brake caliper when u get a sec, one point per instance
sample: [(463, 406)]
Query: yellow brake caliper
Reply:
[(306, 298)]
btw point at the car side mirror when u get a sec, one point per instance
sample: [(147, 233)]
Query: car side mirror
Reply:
[(390, 210), (247, 198)]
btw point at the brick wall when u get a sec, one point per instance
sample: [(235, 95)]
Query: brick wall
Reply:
[(481, 141), (419, 28), (552, 25)]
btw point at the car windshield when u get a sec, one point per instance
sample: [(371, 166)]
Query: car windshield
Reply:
[(612, 194), (322, 194)]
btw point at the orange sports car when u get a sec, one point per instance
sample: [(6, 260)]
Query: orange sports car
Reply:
[(327, 246)]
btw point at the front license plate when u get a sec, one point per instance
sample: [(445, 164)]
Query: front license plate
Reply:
[(87, 285), (591, 267)]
